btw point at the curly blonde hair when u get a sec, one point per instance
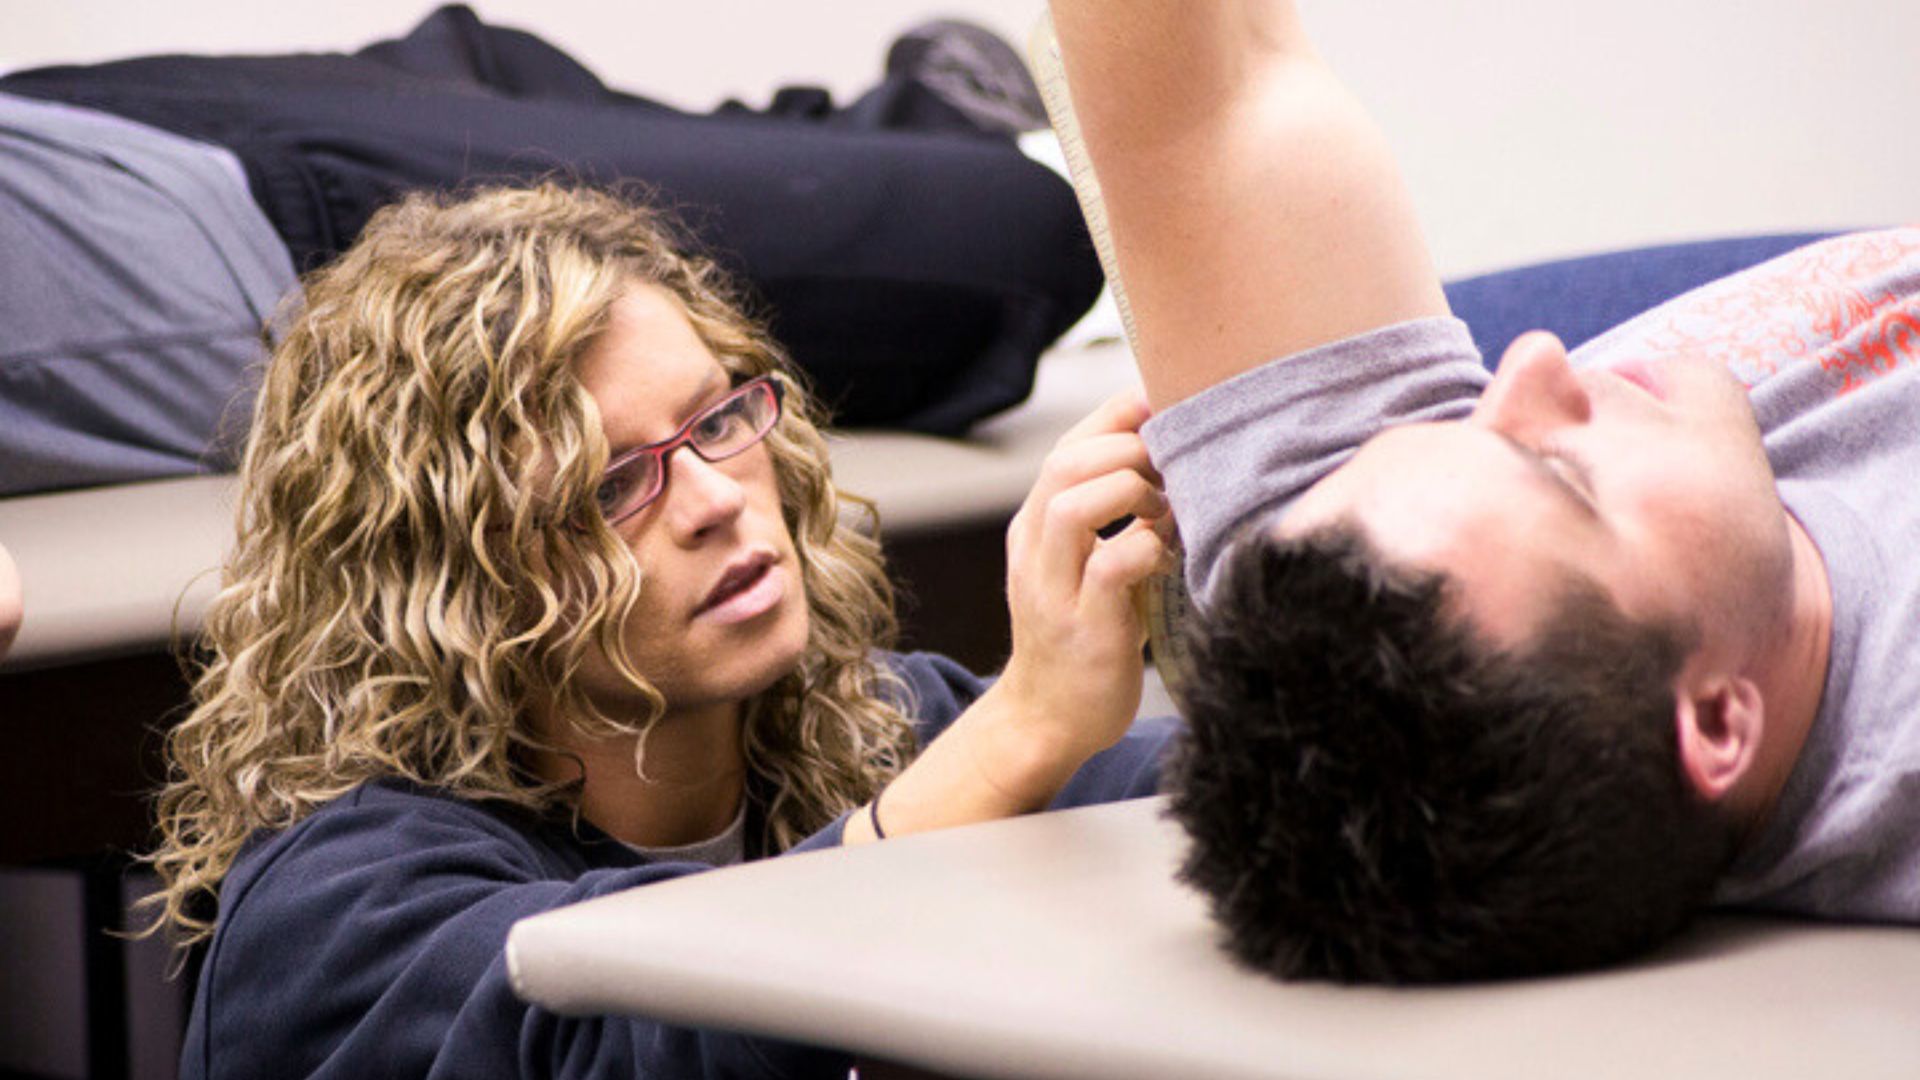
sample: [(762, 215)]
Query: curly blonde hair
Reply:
[(418, 563)]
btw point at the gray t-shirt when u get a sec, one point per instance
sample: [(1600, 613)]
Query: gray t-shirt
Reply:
[(1827, 339), (135, 279), (728, 848)]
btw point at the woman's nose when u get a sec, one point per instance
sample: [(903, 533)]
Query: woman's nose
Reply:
[(700, 494)]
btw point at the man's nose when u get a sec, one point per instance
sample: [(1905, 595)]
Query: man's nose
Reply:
[(700, 495), (1534, 390)]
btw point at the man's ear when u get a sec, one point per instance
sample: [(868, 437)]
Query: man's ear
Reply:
[(1719, 723)]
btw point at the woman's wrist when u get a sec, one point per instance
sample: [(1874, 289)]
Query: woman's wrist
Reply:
[(1021, 748), (992, 762), (873, 815)]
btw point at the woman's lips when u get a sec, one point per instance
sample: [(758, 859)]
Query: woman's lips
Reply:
[(747, 591)]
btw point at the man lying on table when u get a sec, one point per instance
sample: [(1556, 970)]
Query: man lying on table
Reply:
[(1507, 675)]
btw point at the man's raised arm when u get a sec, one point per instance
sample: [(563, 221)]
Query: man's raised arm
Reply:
[(1255, 209)]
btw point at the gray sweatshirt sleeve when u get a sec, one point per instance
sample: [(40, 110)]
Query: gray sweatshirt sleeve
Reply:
[(1242, 450)]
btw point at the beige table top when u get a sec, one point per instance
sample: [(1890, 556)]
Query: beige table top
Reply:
[(130, 568), (1058, 947)]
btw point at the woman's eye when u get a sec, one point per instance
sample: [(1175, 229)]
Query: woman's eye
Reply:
[(718, 424), (620, 486), (610, 494)]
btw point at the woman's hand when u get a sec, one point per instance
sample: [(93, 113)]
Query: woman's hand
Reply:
[(1072, 685), (1074, 676)]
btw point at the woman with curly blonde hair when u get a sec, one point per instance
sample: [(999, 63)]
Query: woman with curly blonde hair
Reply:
[(490, 642)]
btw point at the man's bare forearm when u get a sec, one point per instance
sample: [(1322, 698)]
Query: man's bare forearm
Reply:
[(1147, 71), (1255, 210)]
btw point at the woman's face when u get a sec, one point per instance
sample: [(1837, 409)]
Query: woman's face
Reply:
[(723, 607)]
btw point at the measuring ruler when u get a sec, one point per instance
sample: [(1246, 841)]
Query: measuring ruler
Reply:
[(1043, 53), (1161, 601)]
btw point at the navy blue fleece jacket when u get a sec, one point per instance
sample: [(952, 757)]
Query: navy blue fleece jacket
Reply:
[(366, 940)]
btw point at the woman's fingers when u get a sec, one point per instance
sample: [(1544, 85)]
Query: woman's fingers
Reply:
[(1124, 411), (1107, 441), (1072, 463), (1120, 562), (1069, 466), (1070, 525), (1076, 642), (1064, 580)]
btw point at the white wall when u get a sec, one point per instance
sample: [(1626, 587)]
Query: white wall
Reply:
[(1528, 128)]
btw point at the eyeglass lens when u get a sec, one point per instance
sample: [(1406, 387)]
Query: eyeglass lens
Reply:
[(730, 427)]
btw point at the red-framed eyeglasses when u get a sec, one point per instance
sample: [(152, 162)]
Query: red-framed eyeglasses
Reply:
[(728, 427)]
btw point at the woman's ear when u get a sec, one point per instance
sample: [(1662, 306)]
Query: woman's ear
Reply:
[(1719, 723)]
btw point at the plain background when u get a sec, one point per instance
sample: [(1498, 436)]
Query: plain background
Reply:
[(1528, 128)]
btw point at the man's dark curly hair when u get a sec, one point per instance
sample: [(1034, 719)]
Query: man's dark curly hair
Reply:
[(1373, 794)]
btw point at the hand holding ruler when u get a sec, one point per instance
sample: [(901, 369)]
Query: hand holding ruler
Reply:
[(1163, 602)]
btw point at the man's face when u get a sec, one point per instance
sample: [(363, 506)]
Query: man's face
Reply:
[(1648, 479)]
